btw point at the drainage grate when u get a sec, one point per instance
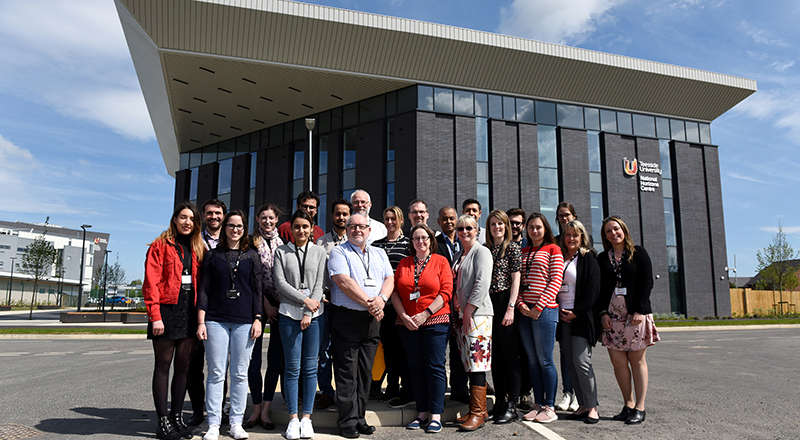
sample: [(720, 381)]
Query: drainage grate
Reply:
[(14, 432)]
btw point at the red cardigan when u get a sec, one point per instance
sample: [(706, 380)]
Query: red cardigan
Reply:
[(436, 279), (162, 277)]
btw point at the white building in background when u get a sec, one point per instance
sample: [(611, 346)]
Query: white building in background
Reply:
[(15, 285)]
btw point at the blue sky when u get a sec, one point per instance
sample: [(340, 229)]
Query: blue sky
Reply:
[(76, 142)]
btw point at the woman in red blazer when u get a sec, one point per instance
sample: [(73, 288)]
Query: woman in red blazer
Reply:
[(170, 283)]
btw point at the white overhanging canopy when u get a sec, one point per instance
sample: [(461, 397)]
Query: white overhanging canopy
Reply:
[(215, 69)]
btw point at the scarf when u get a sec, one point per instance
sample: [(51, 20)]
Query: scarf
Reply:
[(266, 250)]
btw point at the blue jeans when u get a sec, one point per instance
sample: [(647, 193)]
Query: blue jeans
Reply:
[(425, 351), (539, 338), (300, 351), (325, 369), (227, 338)]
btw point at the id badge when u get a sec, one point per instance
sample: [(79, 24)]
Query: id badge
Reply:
[(369, 282), (414, 296), (564, 288), (524, 287), (186, 279), (305, 291), (622, 291)]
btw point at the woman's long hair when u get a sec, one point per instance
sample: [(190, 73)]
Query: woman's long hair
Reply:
[(255, 237), (500, 215), (548, 231), (629, 247), (195, 237), (223, 236), (578, 227)]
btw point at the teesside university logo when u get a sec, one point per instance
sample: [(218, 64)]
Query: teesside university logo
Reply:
[(631, 167)]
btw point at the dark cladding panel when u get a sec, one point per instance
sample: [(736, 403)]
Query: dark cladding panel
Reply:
[(505, 166), (371, 163), (261, 167), (621, 190), (654, 236), (693, 215), (574, 177), (240, 183), (406, 172), (717, 223), (207, 182), (277, 179), (466, 172), (183, 180), (334, 168), (529, 167)]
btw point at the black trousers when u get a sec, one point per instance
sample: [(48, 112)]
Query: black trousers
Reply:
[(394, 356), (505, 355), (195, 384), (354, 336)]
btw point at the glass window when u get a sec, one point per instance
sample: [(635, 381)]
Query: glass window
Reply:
[(644, 126), (325, 122), (481, 104), (570, 115), (496, 106), (548, 154), (226, 198), (677, 130), (483, 172), (546, 113), (624, 123), (425, 98), (336, 118), (608, 121), (481, 139), (227, 149), (184, 161), (548, 201), (509, 108), (299, 129), (389, 194), (349, 150), (594, 151), (210, 154), (692, 132), (662, 128), (595, 182), (407, 99), (253, 169), (287, 131), (483, 195), (548, 178), (322, 185), (705, 133), (372, 108), (391, 104), (224, 182), (243, 144), (297, 188), (275, 135), (666, 188), (592, 117), (299, 162), (464, 102), (196, 158), (350, 115), (323, 155), (525, 110), (252, 197), (255, 141), (669, 217), (390, 172), (349, 179), (193, 183), (443, 100), (666, 162)]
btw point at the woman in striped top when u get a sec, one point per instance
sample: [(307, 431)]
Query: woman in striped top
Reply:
[(542, 266)]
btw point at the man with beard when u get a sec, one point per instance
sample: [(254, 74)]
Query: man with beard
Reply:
[(362, 202)]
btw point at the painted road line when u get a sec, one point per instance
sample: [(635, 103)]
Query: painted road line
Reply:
[(54, 353), (542, 430), (101, 352), (14, 353), (138, 352)]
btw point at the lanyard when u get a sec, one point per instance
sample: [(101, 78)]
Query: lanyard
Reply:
[(617, 266), (303, 264), (566, 266), (357, 251), (530, 259), (186, 258), (452, 245), (417, 275), (233, 267)]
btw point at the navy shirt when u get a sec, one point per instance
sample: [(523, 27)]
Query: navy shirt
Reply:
[(215, 281)]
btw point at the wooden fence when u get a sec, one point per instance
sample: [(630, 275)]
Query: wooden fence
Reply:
[(746, 301)]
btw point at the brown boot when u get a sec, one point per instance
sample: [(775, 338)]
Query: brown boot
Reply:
[(477, 409)]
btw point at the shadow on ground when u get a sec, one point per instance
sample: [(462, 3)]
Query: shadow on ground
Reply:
[(115, 421)]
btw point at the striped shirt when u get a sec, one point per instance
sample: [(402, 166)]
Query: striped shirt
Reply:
[(542, 271)]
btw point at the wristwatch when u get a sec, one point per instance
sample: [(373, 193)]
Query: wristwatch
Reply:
[(384, 298)]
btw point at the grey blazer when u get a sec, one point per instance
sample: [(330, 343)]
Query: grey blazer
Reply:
[(286, 275), (474, 278)]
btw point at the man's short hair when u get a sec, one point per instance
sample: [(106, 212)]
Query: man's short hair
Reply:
[(415, 201), (441, 210), (471, 202), (216, 202), (516, 211), (341, 201), (305, 195)]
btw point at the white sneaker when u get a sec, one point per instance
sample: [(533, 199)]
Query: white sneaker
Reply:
[(306, 430), (573, 405), (212, 433), (238, 432), (293, 430), (563, 404)]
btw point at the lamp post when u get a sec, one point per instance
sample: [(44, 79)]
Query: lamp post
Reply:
[(728, 269), (105, 282), (83, 255), (11, 281), (310, 122)]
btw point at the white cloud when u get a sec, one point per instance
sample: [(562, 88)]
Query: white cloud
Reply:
[(556, 22), (747, 178), (781, 66), (73, 57), (786, 229), (782, 107), (761, 36), (14, 158)]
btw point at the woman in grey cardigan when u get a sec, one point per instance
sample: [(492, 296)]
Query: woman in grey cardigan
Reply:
[(473, 317), (299, 273)]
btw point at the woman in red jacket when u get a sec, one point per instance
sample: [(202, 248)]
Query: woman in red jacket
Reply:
[(170, 282)]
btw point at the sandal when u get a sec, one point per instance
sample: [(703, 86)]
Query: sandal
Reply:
[(434, 427), (416, 424), (251, 423)]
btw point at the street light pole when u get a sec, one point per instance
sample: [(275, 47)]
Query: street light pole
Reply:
[(105, 282), (83, 255), (310, 122), (11, 281)]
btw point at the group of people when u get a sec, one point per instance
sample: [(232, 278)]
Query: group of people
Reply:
[(499, 295)]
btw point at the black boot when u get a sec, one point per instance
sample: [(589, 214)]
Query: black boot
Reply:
[(196, 418), (180, 425), (509, 415), (166, 430)]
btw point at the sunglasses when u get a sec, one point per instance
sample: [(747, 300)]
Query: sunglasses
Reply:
[(464, 228)]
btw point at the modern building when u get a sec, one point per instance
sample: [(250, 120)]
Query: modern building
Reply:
[(64, 277), (407, 109)]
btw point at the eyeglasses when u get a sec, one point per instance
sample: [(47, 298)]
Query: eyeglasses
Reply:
[(421, 239), (235, 227), (516, 223), (418, 212), (309, 207), (464, 228), (358, 227)]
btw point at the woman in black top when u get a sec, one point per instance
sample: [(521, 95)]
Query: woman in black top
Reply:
[(625, 314), (229, 319)]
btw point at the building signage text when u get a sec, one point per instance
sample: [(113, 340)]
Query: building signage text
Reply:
[(646, 183)]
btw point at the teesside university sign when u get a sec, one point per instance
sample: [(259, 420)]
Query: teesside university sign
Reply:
[(646, 183)]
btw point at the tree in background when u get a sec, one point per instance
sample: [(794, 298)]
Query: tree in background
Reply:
[(776, 269), (116, 275), (38, 261)]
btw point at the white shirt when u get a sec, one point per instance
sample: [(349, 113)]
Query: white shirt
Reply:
[(378, 231)]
